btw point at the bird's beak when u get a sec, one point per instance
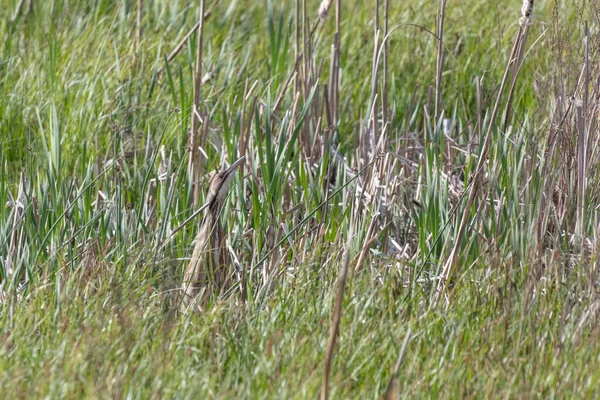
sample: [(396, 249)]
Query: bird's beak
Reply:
[(235, 164), (227, 174)]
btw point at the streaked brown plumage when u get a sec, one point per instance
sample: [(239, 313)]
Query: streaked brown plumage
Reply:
[(208, 271)]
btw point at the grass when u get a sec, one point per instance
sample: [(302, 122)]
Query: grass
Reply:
[(90, 272)]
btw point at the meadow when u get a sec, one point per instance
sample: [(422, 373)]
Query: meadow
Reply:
[(416, 217)]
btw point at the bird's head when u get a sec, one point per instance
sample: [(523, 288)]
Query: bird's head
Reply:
[(219, 184)]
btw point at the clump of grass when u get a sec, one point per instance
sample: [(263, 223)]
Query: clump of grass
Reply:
[(476, 183)]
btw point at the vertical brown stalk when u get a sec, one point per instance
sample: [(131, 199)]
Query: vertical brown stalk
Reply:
[(450, 264), (392, 389), (326, 134), (335, 325), (334, 67), (338, 18), (138, 35), (194, 164), (136, 47), (304, 51), (518, 59), (332, 83), (580, 174), (375, 71), (331, 94), (184, 40), (333, 73), (440, 59), (305, 67), (297, 42), (581, 147), (384, 95), (479, 92)]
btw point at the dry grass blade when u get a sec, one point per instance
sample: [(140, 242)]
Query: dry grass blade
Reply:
[(392, 390), (385, 84), (440, 59), (13, 248), (450, 264), (185, 39), (524, 22), (335, 325), (19, 10), (194, 164), (138, 33), (581, 148)]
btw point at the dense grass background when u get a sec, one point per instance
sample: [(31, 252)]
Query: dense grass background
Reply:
[(88, 98)]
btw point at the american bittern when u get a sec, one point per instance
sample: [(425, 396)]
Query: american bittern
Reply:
[(208, 271)]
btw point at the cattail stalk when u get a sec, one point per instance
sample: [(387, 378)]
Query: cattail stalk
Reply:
[(138, 34), (183, 41), (194, 165), (440, 59), (297, 45), (337, 317), (581, 148), (384, 95), (450, 264), (392, 389), (524, 22)]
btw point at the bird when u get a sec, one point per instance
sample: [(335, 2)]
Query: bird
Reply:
[(208, 271)]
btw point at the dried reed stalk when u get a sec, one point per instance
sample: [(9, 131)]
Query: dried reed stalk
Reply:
[(440, 59), (337, 316), (384, 95), (183, 41), (392, 389), (581, 148), (450, 264), (194, 163), (524, 22)]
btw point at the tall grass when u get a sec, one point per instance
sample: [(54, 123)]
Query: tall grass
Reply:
[(386, 168)]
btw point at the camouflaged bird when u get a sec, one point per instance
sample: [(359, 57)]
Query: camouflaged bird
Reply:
[(209, 269)]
